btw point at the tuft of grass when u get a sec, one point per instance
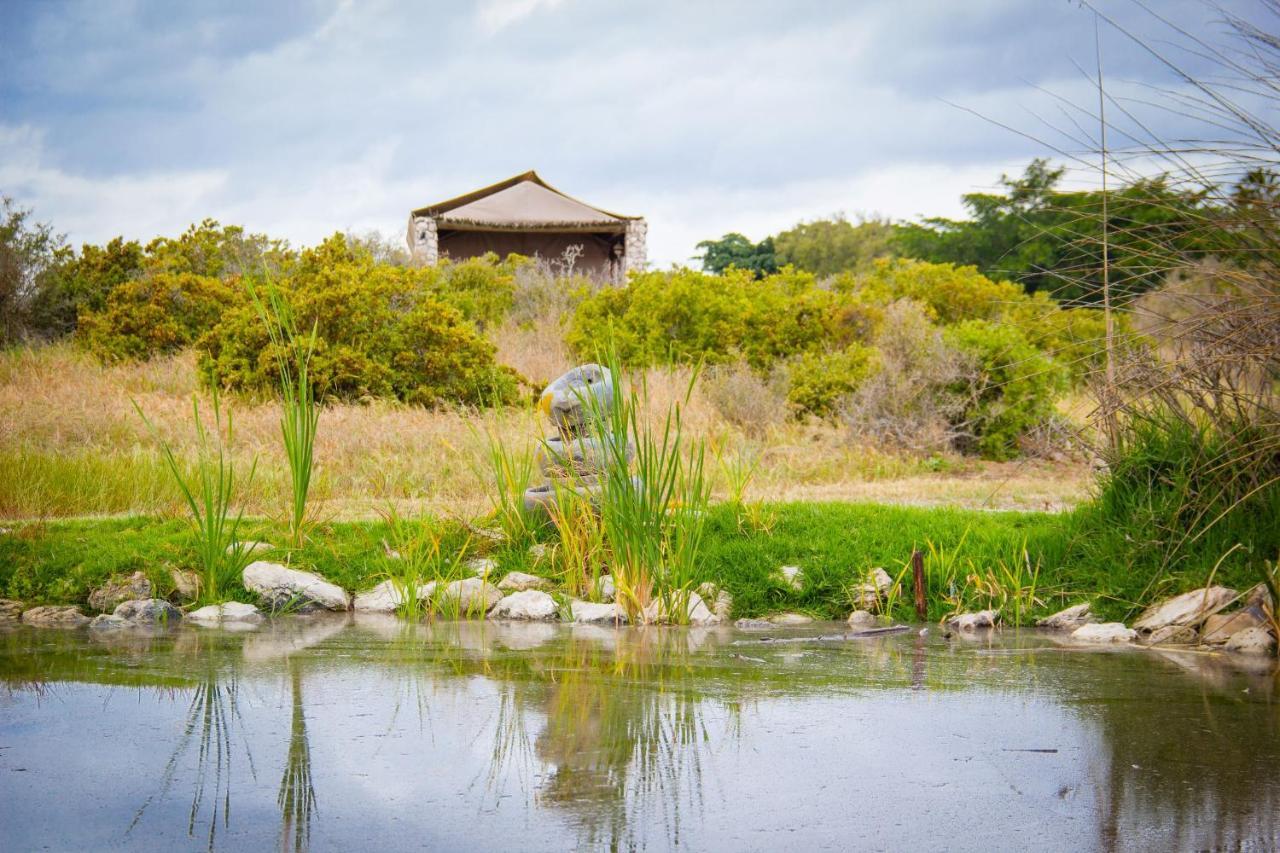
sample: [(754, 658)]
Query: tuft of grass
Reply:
[(581, 553)]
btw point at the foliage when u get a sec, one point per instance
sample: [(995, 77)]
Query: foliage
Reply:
[(737, 252), (1013, 388), (828, 246), (156, 314), (378, 334), (30, 257), (820, 381)]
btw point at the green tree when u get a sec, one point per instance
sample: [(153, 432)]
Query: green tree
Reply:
[(30, 256), (829, 246), (735, 250)]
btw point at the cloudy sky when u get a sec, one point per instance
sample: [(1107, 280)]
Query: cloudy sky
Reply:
[(302, 118)]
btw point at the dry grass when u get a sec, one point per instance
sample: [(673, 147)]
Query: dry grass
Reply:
[(72, 445)]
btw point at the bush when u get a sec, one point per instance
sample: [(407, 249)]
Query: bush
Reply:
[(820, 381), (380, 333), (1012, 390), (156, 314)]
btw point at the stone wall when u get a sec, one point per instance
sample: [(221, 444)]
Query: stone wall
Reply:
[(636, 257), (424, 239)]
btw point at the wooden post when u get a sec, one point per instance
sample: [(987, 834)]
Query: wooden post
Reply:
[(917, 570)]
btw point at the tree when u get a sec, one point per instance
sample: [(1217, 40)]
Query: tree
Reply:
[(735, 250), (829, 246), (30, 254)]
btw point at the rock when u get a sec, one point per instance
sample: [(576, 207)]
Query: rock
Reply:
[(722, 601), (109, 622), (249, 548), (1190, 608), (117, 590), (563, 400), (186, 583), (860, 619), (149, 611), (753, 625), (974, 621), (1259, 595), (697, 612), (538, 551), (491, 533), (520, 581), (54, 617), (576, 458), (10, 610), (868, 594), (281, 586), (1069, 619), (1221, 627), (786, 619), (230, 612), (482, 567), (386, 597), (1176, 635), (530, 605), (1104, 632), (606, 590), (587, 612), (792, 576), (1255, 641), (700, 613), (470, 596)]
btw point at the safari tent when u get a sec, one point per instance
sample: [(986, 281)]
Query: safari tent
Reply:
[(528, 216)]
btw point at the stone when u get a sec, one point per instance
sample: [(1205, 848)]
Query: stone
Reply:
[(1190, 608), (149, 611), (538, 551), (109, 622), (588, 612), (280, 586), (471, 597), (186, 583), (868, 594), (721, 600), (1221, 627), (974, 621), (249, 548), (520, 581), (792, 576), (231, 611), (788, 619), (1104, 632), (482, 567), (54, 617), (754, 625), (568, 400), (1176, 635), (1255, 641), (530, 605), (386, 597), (1069, 619), (577, 458), (606, 590), (10, 610), (697, 612), (118, 590), (493, 534), (861, 619)]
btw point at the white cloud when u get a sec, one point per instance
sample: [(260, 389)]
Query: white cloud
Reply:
[(495, 15)]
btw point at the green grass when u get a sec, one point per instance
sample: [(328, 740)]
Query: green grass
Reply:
[(834, 543)]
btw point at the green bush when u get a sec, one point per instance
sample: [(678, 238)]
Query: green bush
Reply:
[(380, 333), (819, 381), (1012, 388), (158, 313)]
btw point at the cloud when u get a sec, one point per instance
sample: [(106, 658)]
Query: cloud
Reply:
[(495, 15)]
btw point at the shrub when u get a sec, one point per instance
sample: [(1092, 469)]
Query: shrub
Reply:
[(820, 381), (1012, 390), (483, 288), (744, 398), (379, 334), (158, 313)]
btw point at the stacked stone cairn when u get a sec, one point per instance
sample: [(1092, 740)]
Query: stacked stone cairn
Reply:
[(573, 459)]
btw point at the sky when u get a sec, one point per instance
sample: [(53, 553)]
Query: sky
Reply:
[(299, 119)]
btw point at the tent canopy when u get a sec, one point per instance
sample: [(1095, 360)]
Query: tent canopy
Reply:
[(522, 203)]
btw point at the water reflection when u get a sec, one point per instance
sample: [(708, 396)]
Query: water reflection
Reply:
[(545, 737)]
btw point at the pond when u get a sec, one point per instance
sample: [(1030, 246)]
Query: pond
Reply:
[(344, 733)]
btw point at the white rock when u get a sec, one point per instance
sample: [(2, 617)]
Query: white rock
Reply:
[(387, 598), (792, 575), (785, 619), (1256, 641), (279, 585), (520, 581), (1104, 632), (974, 621), (1190, 608), (589, 612), (1068, 619), (606, 590), (249, 548), (149, 611), (530, 605), (869, 593), (861, 619), (470, 596), (54, 617), (231, 611), (697, 612), (1221, 627), (482, 567), (187, 583)]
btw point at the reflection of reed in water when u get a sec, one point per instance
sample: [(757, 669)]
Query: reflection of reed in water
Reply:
[(297, 797)]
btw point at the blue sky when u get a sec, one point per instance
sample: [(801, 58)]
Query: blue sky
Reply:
[(302, 118)]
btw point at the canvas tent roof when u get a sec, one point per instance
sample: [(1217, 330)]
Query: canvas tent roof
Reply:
[(522, 203)]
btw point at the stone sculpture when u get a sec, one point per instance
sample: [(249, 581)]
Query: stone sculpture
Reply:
[(574, 458)]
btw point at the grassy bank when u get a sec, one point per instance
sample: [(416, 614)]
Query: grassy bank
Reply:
[(1027, 563)]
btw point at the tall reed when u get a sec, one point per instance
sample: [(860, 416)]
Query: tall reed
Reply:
[(300, 415), (209, 495), (510, 473)]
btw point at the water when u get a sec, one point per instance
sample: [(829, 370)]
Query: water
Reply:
[(345, 734)]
